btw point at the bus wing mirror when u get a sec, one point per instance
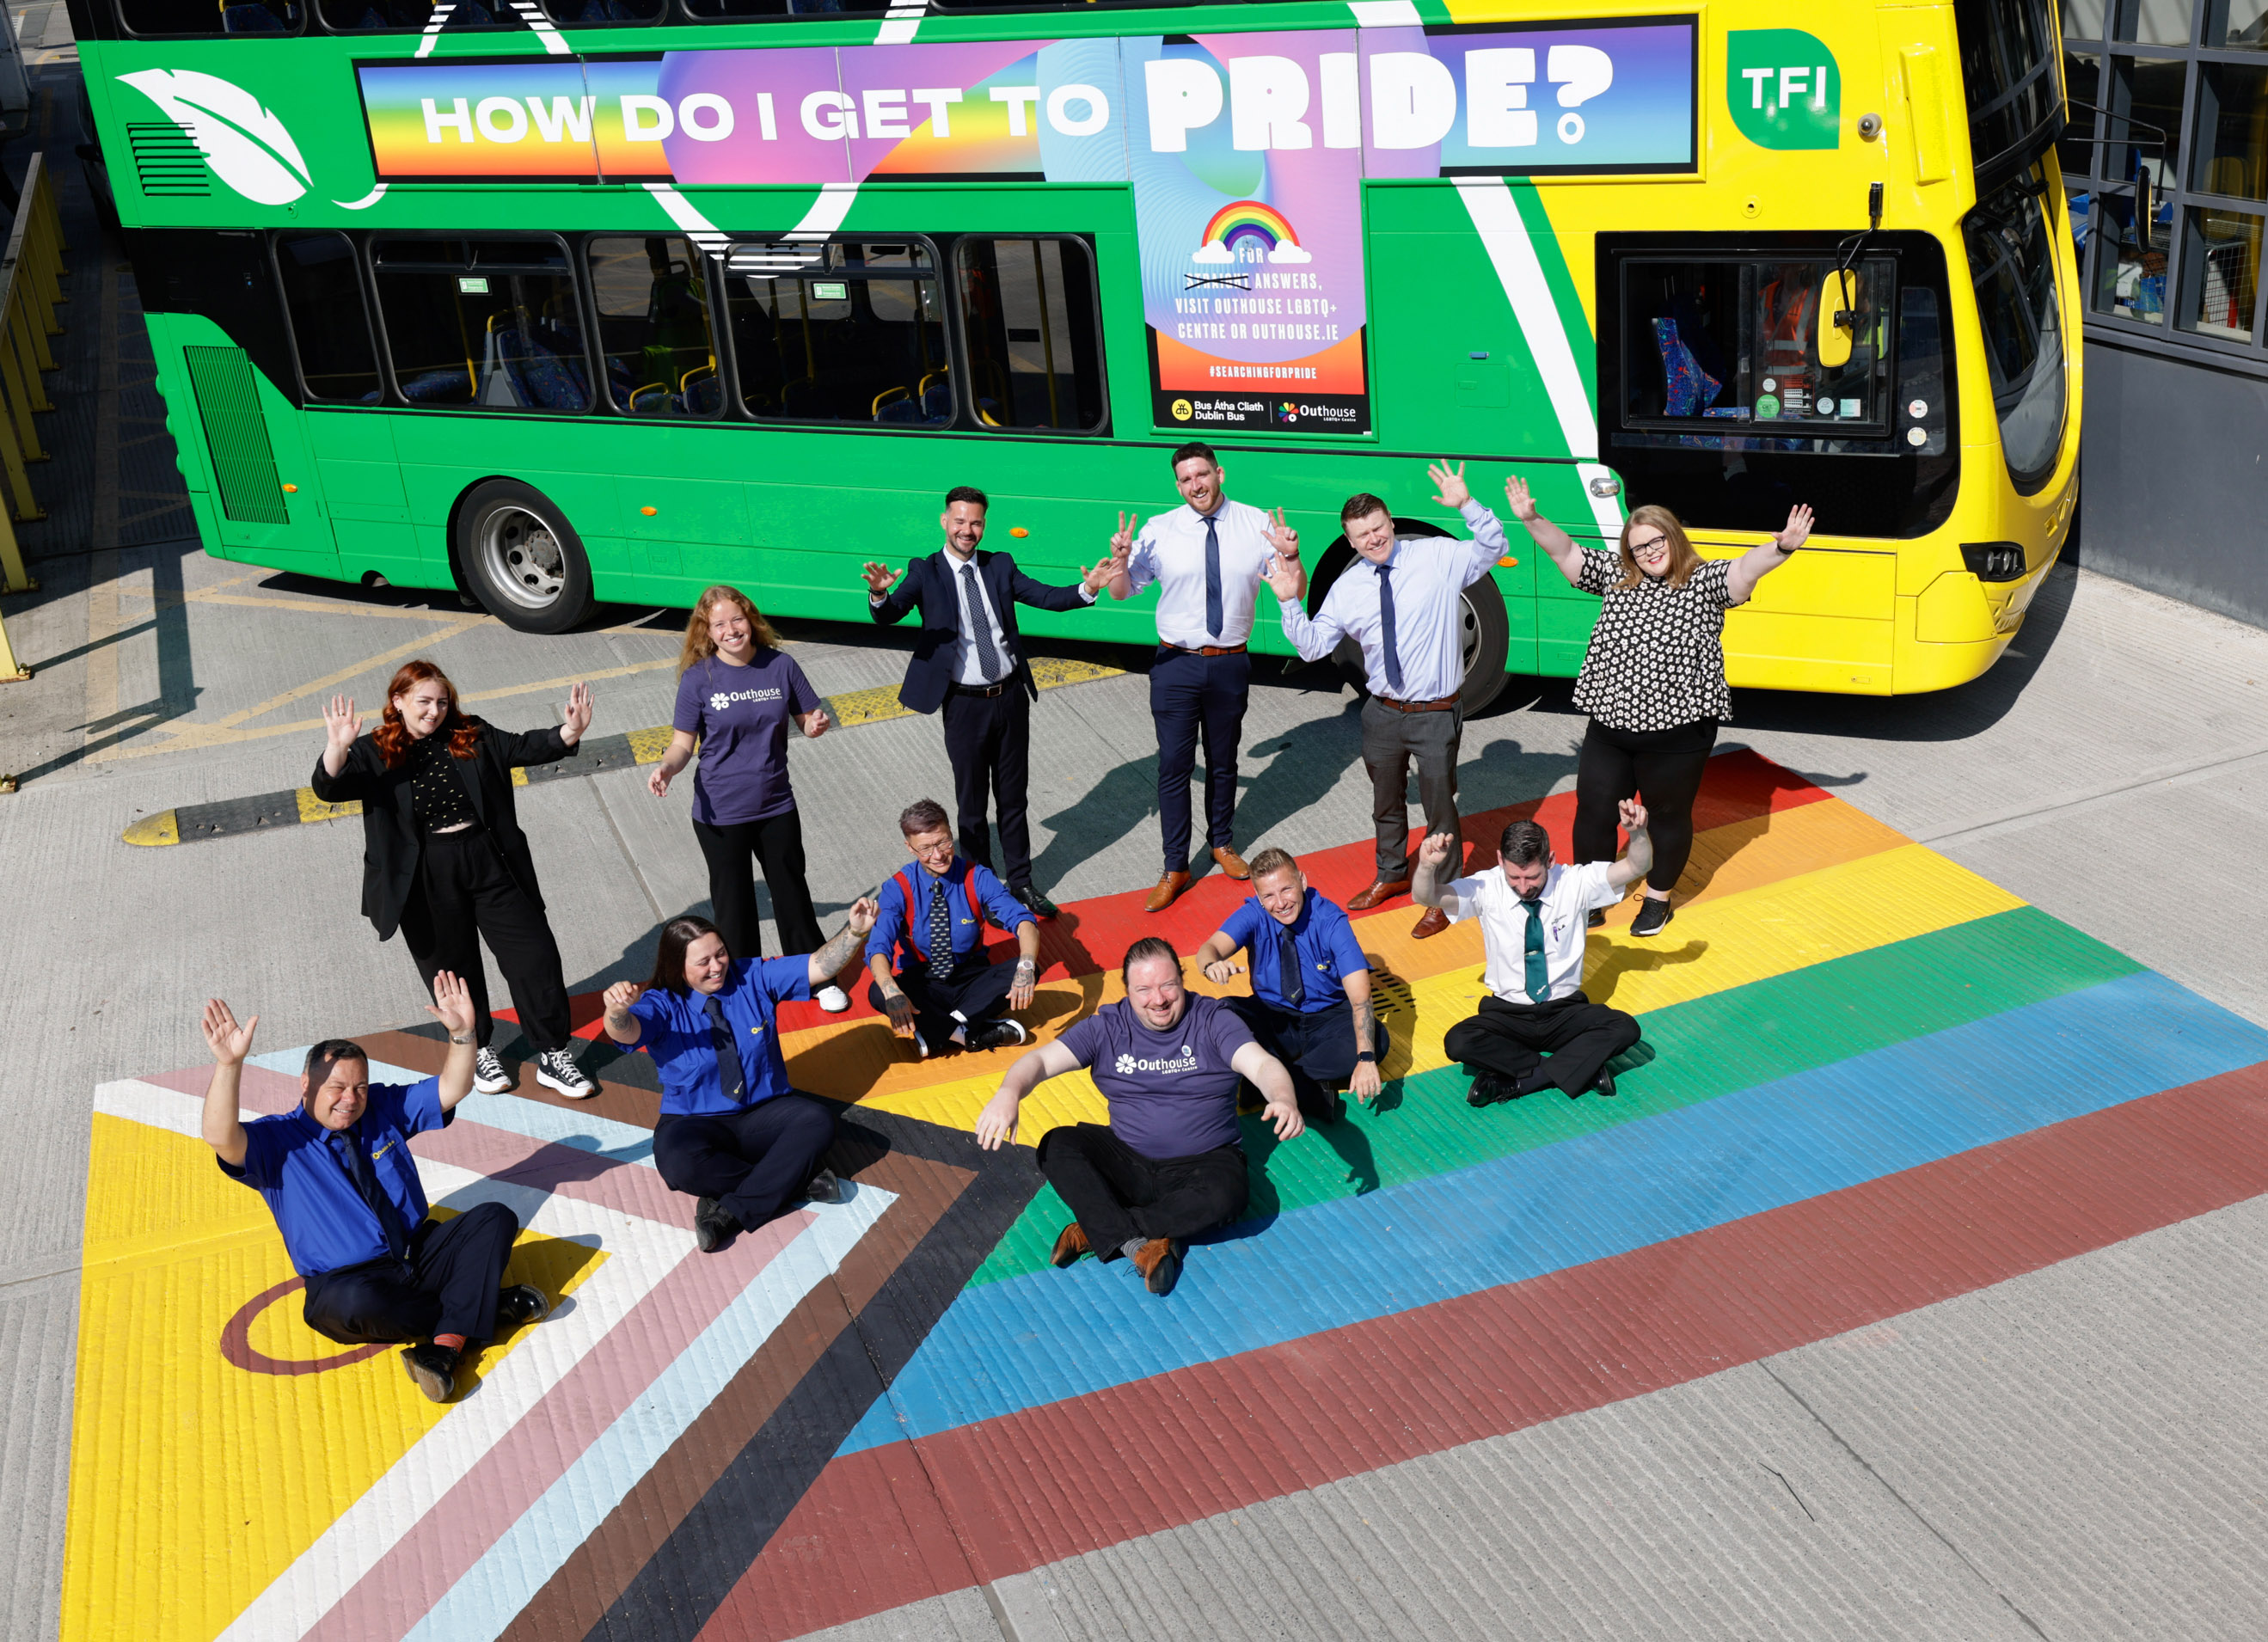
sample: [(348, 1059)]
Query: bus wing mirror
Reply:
[(1838, 317)]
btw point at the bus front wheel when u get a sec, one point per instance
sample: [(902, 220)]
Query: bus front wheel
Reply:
[(521, 559)]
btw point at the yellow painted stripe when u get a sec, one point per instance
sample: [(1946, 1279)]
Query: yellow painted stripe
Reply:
[(313, 809), (155, 830)]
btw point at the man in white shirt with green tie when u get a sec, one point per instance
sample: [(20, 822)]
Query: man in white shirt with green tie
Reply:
[(1534, 915)]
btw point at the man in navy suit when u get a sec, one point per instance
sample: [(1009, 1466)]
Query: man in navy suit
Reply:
[(969, 662)]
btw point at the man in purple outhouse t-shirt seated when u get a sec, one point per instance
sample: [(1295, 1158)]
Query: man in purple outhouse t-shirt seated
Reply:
[(1168, 1165)]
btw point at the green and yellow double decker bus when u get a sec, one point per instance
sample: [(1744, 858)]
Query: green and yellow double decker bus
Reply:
[(556, 301)]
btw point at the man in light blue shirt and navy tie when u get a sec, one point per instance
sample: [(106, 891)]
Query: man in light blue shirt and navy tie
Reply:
[(1399, 600)]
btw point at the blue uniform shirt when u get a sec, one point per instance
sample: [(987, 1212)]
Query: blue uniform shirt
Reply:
[(296, 1165), (675, 1029), (966, 886), (1322, 936)]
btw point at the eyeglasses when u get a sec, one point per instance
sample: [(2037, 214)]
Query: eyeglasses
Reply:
[(1651, 544)]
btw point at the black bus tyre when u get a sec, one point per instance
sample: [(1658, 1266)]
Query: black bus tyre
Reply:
[(1484, 631), (517, 554)]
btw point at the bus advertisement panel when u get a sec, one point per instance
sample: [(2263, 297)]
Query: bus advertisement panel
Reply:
[(1250, 227)]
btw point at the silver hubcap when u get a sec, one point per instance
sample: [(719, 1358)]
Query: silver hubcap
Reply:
[(1469, 637), (523, 557)]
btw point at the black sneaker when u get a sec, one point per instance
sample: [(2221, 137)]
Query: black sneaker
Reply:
[(1652, 915), (556, 1069), (824, 1188), (488, 1075), (521, 1304), (1606, 1085), (1038, 904), (713, 1228), (1598, 918), (434, 1368), (997, 1034)]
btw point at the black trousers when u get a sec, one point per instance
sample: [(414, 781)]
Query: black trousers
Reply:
[(1193, 698), (462, 896), (754, 1161), (1661, 767), (1318, 1050), (448, 1285), (974, 992), (1115, 1193), (1579, 1036), (988, 739), (1390, 740), (775, 844)]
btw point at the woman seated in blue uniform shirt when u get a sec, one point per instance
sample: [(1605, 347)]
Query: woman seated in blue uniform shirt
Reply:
[(338, 1176), (733, 1134)]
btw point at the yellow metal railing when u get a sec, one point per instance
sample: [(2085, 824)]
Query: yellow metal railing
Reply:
[(31, 289)]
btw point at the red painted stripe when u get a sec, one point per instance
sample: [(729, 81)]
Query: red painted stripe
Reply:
[(1055, 1482)]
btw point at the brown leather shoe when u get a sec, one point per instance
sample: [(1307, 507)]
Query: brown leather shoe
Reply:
[(1071, 1243), (1160, 1263), (1168, 891), (1231, 863), (1431, 924), (1384, 890)]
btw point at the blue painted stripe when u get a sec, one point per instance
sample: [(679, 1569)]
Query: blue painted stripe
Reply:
[(1049, 1336), (586, 1131)]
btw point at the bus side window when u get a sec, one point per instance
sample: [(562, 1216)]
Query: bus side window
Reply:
[(604, 14), (209, 18), (653, 298), (489, 322), (1027, 309), (739, 10), (410, 17), (330, 325), (847, 332)]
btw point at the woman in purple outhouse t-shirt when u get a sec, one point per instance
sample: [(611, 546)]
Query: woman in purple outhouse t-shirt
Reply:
[(736, 691)]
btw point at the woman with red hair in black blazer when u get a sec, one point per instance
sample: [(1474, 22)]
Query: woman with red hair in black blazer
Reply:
[(445, 861)]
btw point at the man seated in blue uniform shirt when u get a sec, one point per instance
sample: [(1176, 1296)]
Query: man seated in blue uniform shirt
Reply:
[(942, 990), (1170, 1164), (340, 1180), (1310, 1005), (732, 1135)]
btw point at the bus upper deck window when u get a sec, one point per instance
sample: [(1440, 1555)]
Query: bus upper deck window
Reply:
[(2012, 259), (852, 331), (651, 291), (1028, 313), (489, 322), (746, 10), (329, 326), (210, 18), (411, 16), (604, 14)]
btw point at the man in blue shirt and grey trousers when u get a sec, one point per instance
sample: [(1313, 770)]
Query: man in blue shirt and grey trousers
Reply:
[(339, 1178)]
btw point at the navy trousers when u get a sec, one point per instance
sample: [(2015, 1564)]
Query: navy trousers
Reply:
[(1193, 698), (1317, 1049), (448, 1285), (975, 992), (754, 1161)]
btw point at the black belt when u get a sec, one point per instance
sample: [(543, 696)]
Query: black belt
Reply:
[(1202, 649), (978, 690)]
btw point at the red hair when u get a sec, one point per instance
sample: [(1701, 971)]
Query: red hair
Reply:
[(393, 736)]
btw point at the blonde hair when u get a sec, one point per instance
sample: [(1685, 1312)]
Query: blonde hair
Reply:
[(1683, 561), (699, 646)]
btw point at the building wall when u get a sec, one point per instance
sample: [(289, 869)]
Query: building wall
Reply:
[(2173, 478)]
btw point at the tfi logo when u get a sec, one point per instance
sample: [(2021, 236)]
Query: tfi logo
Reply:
[(1784, 88)]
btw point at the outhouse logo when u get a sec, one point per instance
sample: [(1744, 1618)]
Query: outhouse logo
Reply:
[(1783, 87)]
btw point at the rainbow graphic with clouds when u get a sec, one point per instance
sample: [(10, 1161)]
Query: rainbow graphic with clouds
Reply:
[(1249, 219)]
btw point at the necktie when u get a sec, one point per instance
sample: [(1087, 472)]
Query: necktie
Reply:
[(940, 933), (979, 629), (1295, 993), (730, 1077), (347, 1142), (1539, 972), (1212, 577), (1386, 620)]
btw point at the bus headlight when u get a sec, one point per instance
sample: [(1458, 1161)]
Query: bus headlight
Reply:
[(1993, 561)]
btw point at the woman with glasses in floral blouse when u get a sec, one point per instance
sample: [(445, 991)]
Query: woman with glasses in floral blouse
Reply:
[(1653, 678)]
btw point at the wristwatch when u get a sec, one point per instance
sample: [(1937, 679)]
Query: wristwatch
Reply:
[(1365, 1058)]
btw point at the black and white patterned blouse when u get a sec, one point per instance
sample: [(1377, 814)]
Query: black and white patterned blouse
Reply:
[(1657, 656), (437, 798)]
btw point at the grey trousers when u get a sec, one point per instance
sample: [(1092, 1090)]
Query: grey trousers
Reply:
[(1390, 738)]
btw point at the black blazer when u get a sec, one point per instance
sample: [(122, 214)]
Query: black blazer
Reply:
[(392, 841), (929, 583)]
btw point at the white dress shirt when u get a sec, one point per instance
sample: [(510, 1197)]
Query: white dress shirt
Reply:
[(1569, 895), (968, 665), (1171, 551), (1428, 574)]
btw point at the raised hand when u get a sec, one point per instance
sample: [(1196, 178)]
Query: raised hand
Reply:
[(1287, 579), (1281, 537), (453, 1004), (1448, 483), (863, 913), (1516, 498), (1632, 815), (577, 716), (1105, 570), (1798, 530), (996, 1122), (342, 724), (230, 1043), (621, 995), (1433, 850), (1122, 542), (879, 578), (1222, 972)]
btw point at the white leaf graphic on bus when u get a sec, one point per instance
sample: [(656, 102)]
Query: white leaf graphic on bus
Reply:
[(246, 145)]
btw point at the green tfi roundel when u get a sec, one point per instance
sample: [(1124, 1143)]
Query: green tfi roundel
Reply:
[(1783, 87)]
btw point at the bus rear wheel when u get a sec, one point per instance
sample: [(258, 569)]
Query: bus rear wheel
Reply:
[(521, 559), (1483, 629)]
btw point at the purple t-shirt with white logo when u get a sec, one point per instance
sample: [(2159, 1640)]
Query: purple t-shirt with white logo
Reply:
[(1172, 1094), (740, 715)]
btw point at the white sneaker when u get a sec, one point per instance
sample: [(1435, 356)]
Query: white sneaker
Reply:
[(488, 1075), (833, 999), (556, 1069)]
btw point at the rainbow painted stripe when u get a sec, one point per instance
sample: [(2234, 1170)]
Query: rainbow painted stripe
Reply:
[(1249, 219)]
